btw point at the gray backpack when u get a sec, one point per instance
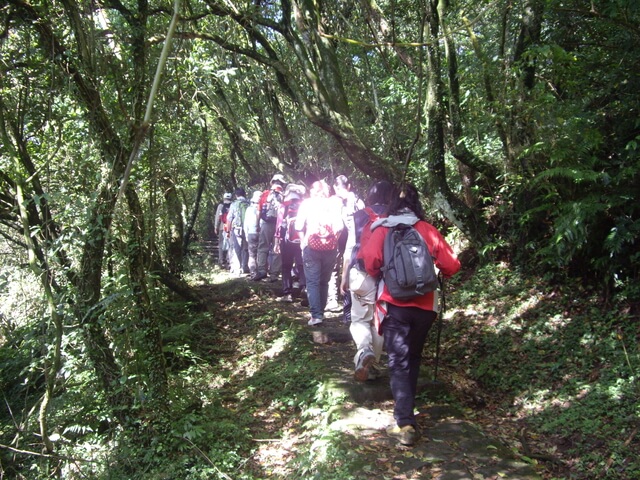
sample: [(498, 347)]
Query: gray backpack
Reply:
[(408, 269)]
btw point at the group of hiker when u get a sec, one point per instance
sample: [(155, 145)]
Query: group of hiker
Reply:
[(380, 252)]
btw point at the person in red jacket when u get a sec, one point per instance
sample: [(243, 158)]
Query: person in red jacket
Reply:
[(406, 323)]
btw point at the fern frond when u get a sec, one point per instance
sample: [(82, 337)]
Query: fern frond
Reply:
[(577, 175)]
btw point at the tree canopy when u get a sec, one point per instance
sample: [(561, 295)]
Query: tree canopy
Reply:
[(517, 120)]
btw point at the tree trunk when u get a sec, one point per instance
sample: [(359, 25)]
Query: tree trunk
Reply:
[(174, 226), (488, 79), (149, 358), (202, 179), (440, 193), (456, 144)]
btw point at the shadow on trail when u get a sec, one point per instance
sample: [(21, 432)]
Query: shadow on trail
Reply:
[(301, 366)]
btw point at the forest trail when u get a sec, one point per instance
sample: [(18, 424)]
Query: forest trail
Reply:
[(451, 446)]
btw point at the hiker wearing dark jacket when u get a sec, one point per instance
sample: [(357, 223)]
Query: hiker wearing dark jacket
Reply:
[(406, 323)]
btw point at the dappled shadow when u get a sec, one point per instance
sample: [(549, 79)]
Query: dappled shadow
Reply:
[(555, 365), (280, 368)]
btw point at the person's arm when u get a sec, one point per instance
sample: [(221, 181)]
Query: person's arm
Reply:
[(301, 221), (216, 221), (443, 255), (338, 223), (230, 216), (348, 253), (282, 212)]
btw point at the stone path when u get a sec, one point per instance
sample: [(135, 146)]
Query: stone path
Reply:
[(451, 447)]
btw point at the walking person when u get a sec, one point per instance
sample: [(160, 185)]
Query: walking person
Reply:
[(269, 262), (220, 229), (251, 228), (238, 258), (349, 204), (407, 322), (288, 243), (319, 223), (360, 287)]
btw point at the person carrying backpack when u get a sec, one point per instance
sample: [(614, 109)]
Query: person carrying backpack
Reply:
[(269, 262), (407, 321), (288, 242), (319, 222), (251, 229), (350, 203), (235, 227), (219, 228), (360, 287)]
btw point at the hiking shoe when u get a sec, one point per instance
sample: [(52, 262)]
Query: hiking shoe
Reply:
[(365, 361), (285, 298), (333, 307), (259, 276), (406, 435), (314, 321)]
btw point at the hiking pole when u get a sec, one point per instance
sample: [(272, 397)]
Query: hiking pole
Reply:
[(439, 329)]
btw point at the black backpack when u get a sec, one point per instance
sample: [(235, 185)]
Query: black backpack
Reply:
[(408, 269)]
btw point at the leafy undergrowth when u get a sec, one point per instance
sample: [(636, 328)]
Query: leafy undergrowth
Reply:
[(550, 371)]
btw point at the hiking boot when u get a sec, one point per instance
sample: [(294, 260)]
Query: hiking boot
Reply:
[(406, 435), (259, 276), (285, 298), (314, 321), (365, 361)]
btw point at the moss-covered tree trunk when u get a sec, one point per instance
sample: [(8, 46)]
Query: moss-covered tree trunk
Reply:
[(438, 188)]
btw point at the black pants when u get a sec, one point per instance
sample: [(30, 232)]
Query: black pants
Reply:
[(291, 255), (405, 331)]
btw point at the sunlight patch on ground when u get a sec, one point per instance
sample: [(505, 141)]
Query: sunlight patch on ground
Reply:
[(279, 346), (362, 418), (275, 455), (532, 403)]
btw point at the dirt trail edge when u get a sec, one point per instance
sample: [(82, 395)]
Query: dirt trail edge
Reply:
[(451, 447)]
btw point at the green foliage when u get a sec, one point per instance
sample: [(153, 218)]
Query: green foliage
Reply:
[(593, 229), (556, 357), (237, 108)]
